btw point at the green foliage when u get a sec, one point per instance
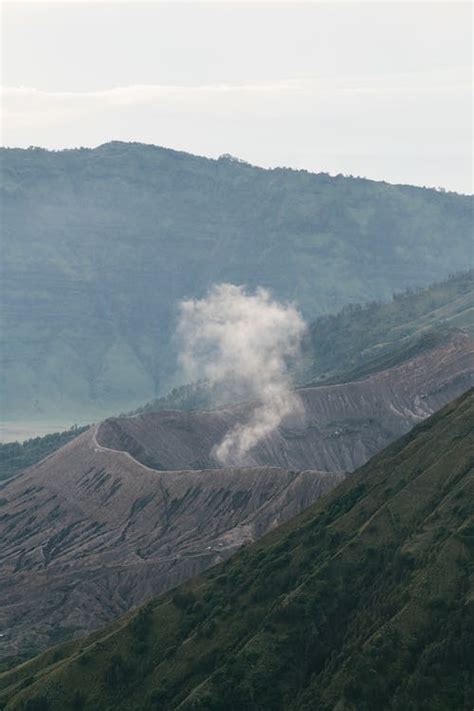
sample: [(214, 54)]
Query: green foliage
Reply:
[(100, 245), (184, 599), (37, 703), (118, 673), (358, 603), (364, 338), (140, 626), (78, 701)]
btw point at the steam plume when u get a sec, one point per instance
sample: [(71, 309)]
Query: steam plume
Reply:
[(243, 340)]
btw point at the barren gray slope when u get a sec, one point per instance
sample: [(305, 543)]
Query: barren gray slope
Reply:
[(89, 532), (344, 425)]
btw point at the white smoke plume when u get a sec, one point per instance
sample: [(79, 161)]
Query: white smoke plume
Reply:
[(244, 341)]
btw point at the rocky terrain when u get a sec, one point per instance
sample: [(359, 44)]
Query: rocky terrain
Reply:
[(363, 601), (89, 532), (342, 426), (136, 505)]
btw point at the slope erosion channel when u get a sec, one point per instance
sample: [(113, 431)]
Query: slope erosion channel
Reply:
[(137, 505)]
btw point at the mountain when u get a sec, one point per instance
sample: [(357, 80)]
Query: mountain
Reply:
[(361, 339), (90, 532), (364, 338), (99, 246), (136, 505), (357, 341), (15, 456), (343, 424), (363, 601)]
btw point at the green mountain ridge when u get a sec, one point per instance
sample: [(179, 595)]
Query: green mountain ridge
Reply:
[(364, 601), (100, 245), (361, 339)]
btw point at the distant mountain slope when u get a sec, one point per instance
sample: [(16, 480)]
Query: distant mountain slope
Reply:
[(342, 426), (364, 601), (361, 339), (100, 245)]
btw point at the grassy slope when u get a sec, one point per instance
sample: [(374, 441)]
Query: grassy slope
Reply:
[(362, 339), (365, 601), (100, 245)]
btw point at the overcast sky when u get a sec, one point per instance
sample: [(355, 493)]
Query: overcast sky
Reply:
[(376, 89)]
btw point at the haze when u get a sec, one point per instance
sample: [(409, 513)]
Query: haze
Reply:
[(380, 90)]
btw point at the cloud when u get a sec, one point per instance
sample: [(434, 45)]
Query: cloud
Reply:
[(243, 340), (401, 127), (31, 98), (30, 108), (297, 96)]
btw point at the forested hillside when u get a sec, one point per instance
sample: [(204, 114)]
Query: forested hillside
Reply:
[(99, 246), (364, 601), (361, 339)]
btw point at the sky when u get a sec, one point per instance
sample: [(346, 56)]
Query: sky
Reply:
[(376, 89)]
